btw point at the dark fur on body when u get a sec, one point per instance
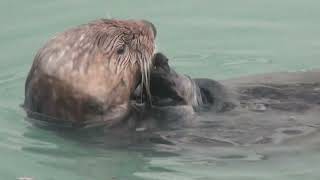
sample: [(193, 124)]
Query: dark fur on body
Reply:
[(295, 95)]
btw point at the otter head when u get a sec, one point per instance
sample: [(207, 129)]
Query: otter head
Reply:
[(88, 73), (128, 46)]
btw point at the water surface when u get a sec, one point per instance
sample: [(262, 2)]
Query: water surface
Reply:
[(206, 38)]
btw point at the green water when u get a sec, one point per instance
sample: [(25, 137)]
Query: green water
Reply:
[(204, 38)]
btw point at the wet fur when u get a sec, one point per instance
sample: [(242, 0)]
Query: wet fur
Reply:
[(263, 109), (89, 72)]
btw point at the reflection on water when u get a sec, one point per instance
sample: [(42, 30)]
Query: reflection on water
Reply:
[(217, 39)]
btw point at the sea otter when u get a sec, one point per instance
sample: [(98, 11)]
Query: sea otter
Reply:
[(107, 73)]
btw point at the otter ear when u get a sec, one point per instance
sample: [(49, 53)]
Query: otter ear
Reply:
[(152, 26)]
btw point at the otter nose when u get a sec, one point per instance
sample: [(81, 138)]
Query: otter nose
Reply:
[(154, 30)]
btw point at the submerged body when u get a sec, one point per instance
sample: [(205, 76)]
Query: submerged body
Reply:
[(262, 109), (246, 111)]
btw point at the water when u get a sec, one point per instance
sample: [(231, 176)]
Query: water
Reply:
[(207, 38)]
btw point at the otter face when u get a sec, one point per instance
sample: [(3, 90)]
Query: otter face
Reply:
[(126, 42), (129, 43), (89, 72)]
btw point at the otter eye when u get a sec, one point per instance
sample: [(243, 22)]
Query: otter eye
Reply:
[(121, 50)]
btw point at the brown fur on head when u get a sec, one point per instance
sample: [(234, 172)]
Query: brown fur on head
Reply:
[(100, 62)]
